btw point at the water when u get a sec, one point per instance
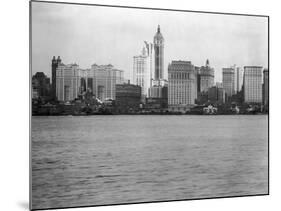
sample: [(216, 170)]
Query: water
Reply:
[(97, 160)]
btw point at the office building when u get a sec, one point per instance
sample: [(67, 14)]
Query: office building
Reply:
[(157, 91), (198, 79), (102, 79), (265, 87), (206, 77), (41, 86), (55, 64), (158, 97), (67, 82), (253, 84), (141, 72), (216, 95), (238, 79), (128, 97), (219, 84), (228, 81), (181, 84)]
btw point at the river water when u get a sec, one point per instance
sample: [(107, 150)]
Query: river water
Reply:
[(98, 160)]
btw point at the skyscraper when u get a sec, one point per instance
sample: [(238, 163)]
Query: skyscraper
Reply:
[(101, 79), (141, 72), (105, 78), (182, 86), (55, 64), (206, 77), (159, 55), (253, 84), (239, 79), (150, 53), (228, 81), (67, 82)]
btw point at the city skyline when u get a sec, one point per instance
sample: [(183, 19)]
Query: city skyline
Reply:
[(225, 40)]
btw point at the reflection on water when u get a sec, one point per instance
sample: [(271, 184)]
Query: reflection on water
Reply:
[(96, 160)]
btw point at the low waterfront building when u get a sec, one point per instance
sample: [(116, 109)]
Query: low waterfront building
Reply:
[(182, 86), (158, 98), (253, 84), (156, 104)]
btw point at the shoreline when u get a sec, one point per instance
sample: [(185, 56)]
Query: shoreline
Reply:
[(156, 114)]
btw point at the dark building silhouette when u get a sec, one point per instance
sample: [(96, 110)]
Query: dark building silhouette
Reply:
[(82, 85), (40, 86), (216, 95), (55, 64), (265, 88), (128, 97), (160, 99), (159, 55), (198, 80)]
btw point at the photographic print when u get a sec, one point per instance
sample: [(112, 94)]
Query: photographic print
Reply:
[(135, 105)]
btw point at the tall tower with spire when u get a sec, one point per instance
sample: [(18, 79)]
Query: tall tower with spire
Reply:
[(158, 55)]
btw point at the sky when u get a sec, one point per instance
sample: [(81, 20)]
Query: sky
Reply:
[(108, 35)]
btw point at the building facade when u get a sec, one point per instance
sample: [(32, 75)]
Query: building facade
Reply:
[(100, 79), (67, 82), (206, 77), (55, 64), (253, 84), (238, 79), (128, 97), (265, 87), (141, 72), (182, 89), (41, 86), (216, 95), (150, 52), (219, 84), (228, 81), (104, 79), (158, 55)]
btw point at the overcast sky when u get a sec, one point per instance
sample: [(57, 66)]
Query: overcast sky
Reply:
[(103, 35)]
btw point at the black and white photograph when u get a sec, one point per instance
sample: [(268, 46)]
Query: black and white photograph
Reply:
[(139, 105)]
